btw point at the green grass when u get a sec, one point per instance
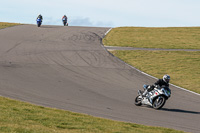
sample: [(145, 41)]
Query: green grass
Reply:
[(182, 66), (21, 117), (4, 24), (173, 37)]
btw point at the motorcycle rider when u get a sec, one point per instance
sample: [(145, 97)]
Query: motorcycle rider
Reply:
[(39, 17), (64, 18), (160, 82)]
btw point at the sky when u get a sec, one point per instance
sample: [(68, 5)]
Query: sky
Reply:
[(104, 13)]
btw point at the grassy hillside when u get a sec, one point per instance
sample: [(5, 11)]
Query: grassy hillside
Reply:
[(21, 117), (184, 67), (140, 37), (4, 24)]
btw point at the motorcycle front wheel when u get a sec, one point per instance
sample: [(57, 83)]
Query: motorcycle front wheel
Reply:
[(138, 101), (38, 24), (159, 102)]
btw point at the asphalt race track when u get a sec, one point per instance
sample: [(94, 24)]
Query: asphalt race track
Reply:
[(68, 68)]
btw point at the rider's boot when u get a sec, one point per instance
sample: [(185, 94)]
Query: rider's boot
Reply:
[(144, 93)]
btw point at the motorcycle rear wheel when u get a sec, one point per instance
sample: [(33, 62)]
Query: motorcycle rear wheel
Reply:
[(159, 102), (138, 101)]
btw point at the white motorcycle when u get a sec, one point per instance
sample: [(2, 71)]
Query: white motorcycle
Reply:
[(155, 98)]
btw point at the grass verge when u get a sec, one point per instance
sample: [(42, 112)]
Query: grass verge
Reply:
[(4, 24), (18, 117), (182, 66), (167, 38)]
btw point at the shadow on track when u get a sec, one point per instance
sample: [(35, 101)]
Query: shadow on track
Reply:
[(180, 110), (44, 26)]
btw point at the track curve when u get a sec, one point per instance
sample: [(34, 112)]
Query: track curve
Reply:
[(68, 68)]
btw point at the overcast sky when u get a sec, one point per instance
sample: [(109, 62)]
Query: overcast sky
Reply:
[(104, 13)]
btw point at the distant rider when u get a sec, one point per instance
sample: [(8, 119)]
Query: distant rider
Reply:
[(160, 82), (39, 17), (64, 18)]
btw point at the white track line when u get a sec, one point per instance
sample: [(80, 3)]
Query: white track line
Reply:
[(108, 31), (148, 74)]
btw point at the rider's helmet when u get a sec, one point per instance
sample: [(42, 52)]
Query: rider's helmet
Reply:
[(166, 78), (64, 15)]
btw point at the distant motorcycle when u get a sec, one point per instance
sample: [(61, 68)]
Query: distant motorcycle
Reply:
[(65, 21), (155, 98), (39, 22)]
